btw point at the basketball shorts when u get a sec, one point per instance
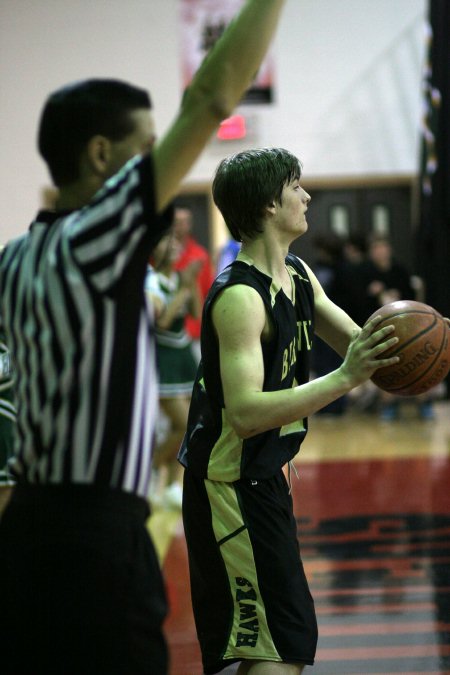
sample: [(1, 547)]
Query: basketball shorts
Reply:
[(82, 590), (250, 596)]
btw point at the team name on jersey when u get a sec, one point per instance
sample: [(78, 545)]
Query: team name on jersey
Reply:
[(246, 598), (303, 340)]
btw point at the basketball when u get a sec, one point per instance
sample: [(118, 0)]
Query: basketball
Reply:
[(423, 348)]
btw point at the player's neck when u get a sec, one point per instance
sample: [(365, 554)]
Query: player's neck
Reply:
[(267, 255)]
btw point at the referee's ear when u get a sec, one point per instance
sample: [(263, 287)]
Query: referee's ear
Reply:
[(98, 156)]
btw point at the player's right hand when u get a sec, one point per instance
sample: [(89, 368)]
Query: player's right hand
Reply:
[(365, 351)]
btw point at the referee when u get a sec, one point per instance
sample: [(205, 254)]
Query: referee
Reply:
[(82, 591), (7, 419)]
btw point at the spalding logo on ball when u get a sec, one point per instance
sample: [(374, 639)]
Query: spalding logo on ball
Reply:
[(423, 348)]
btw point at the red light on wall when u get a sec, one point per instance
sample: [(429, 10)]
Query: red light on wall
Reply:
[(232, 128)]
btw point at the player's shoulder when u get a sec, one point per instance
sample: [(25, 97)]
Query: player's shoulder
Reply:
[(238, 308), (233, 288), (238, 292), (298, 266)]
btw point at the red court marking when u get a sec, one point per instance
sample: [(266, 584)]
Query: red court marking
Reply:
[(385, 652), (381, 607), (345, 489), (367, 487), (378, 590), (179, 626), (404, 548), (317, 565), (381, 628), (375, 529)]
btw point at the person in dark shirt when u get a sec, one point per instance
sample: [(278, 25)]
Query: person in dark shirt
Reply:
[(248, 418), (328, 263), (384, 278), (350, 292)]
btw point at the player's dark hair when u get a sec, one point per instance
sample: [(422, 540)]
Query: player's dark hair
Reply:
[(75, 113), (245, 183)]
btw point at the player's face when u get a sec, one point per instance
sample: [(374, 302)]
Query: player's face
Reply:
[(139, 142), (294, 204)]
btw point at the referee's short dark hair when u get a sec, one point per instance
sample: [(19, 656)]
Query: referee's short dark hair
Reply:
[(77, 112)]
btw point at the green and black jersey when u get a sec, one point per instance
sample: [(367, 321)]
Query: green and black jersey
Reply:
[(211, 449)]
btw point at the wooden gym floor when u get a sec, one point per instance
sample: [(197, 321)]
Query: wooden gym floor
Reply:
[(373, 508)]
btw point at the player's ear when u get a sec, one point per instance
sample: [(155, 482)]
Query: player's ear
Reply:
[(271, 208), (98, 154)]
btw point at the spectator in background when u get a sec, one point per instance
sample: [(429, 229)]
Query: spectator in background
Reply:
[(173, 294), (350, 291), (351, 296), (355, 248), (190, 251), (327, 268), (387, 280)]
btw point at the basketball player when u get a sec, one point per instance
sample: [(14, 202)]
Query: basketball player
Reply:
[(81, 586), (248, 417)]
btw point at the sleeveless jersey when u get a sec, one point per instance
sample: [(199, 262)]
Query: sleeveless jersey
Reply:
[(211, 448)]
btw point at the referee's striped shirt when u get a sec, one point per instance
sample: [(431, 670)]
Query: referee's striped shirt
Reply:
[(73, 308)]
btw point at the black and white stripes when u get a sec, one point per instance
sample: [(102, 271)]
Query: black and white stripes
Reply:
[(73, 309)]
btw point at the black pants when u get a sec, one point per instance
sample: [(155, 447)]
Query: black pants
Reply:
[(81, 588)]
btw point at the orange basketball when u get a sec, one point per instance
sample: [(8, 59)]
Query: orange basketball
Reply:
[(423, 348)]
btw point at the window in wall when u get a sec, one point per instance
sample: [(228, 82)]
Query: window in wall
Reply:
[(339, 220), (381, 219)]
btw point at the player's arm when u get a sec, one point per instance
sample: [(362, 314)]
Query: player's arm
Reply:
[(332, 324), (214, 92), (239, 319)]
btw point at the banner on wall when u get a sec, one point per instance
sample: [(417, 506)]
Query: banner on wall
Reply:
[(202, 22)]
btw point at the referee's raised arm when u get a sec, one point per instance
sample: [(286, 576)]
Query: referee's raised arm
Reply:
[(83, 590), (216, 89)]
